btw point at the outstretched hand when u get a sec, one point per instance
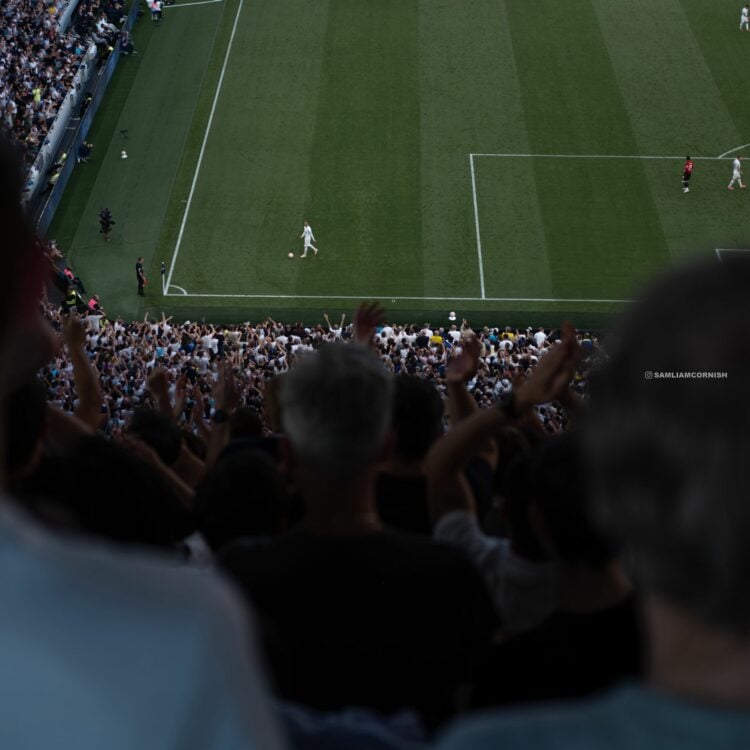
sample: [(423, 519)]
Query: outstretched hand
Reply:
[(74, 334), (137, 447), (462, 368), (157, 383), (226, 393), (368, 317), (551, 377)]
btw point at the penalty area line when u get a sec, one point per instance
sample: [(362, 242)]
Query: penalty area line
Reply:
[(598, 156), (476, 223)]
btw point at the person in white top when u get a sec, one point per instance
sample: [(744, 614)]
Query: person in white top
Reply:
[(539, 338), (309, 237), (736, 174), (745, 18)]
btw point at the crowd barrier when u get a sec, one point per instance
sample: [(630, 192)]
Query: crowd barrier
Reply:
[(96, 88)]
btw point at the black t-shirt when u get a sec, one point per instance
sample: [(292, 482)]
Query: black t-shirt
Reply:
[(402, 503), (382, 620), (566, 656)]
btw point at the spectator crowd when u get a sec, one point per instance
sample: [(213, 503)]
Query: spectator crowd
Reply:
[(126, 353), (38, 62)]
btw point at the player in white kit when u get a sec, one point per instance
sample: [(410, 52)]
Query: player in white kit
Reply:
[(307, 234), (745, 18), (736, 174)]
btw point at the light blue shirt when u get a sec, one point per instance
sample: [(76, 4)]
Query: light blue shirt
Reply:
[(629, 718), (106, 649)]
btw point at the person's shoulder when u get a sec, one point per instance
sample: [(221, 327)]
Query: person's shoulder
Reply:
[(110, 577), (590, 724), (263, 555), (427, 550)]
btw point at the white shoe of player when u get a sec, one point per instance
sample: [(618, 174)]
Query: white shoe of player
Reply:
[(685, 190), (316, 250)]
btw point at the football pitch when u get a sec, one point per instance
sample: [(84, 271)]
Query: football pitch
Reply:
[(512, 161)]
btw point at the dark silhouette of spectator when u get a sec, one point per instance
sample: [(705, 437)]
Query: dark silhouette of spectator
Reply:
[(392, 620), (133, 505), (25, 412), (666, 442), (402, 482), (242, 496), (592, 641), (159, 432), (245, 422)]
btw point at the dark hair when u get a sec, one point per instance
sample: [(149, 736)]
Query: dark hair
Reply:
[(245, 422), (417, 417), (194, 444), (669, 455), (242, 496), (159, 431), (98, 487), (558, 491), (25, 412)]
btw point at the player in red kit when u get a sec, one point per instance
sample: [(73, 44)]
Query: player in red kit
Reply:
[(687, 170)]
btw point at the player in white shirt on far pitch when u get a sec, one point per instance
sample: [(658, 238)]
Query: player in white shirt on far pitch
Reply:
[(307, 234), (736, 174), (745, 19)]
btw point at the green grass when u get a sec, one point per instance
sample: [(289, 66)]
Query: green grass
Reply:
[(360, 116)]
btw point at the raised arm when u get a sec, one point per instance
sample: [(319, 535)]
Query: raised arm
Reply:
[(159, 387), (368, 317), (461, 404), (448, 488), (85, 377), (226, 398)]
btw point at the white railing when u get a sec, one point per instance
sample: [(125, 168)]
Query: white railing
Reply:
[(57, 130)]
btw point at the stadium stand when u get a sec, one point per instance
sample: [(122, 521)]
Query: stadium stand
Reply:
[(523, 469)]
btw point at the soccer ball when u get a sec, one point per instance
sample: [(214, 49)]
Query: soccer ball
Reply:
[(291, 255), (123, 154)]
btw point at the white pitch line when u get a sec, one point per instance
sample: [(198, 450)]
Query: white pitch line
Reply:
[(476, 223), (598, 156), (720, 250), (739, 148), (386, 297), (203, 146), (187, 5)]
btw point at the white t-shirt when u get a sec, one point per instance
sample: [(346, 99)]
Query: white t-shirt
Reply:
[(736, 166)]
